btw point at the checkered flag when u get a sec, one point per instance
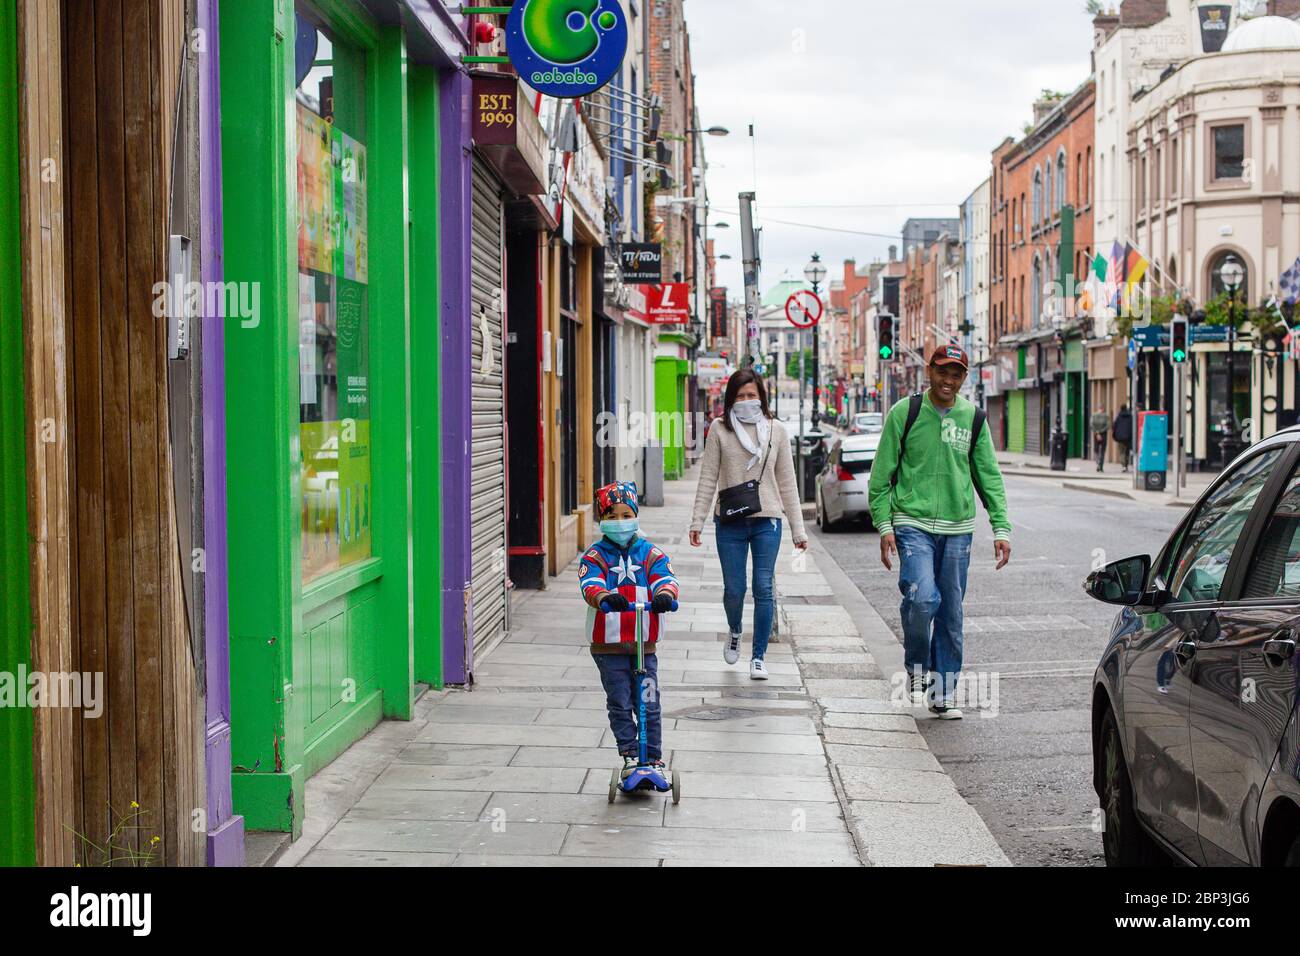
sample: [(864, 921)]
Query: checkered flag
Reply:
[(1289, 283)]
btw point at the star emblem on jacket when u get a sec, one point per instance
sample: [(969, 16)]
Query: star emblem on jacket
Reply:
[(626, 570)]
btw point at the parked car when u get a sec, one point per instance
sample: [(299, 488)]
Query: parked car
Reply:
[(867, 423), (1196, 751), (841, 487)]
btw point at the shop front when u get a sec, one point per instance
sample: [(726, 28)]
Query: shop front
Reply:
[(330, 148)]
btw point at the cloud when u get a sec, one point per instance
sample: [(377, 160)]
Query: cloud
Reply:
[(890, 107)]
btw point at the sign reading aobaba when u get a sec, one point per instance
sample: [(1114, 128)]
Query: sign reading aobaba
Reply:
[(566, 48)]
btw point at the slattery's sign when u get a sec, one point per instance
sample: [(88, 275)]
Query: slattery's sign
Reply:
[(642, 262)]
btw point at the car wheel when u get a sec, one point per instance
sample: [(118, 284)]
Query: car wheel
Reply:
[(1293, 856), (1124, 841), (825, 521)]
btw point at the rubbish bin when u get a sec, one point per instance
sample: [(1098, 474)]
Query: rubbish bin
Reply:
[(1153, 449), (812, 466), (1060, 444)]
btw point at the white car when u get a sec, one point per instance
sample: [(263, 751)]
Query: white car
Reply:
[(867, 423), (842, 484)]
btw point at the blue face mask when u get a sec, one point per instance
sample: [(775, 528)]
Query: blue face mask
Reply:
[(620, 530)]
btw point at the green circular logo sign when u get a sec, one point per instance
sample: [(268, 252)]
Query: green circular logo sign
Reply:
[(566, 48)]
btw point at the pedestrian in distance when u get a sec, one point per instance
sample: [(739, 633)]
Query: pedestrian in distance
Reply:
[(935, 455), (620, 569), (748, 454), (1100, 427), (1122, 432)]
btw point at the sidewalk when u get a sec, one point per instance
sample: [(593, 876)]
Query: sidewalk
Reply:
[(1082, 475), (814, 767)]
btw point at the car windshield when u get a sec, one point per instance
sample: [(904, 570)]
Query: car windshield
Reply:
[(870, 421)]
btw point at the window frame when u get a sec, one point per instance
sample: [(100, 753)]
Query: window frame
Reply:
[(1216, 183), (1246, 543)]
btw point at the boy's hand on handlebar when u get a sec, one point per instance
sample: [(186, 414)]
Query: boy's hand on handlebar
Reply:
[(663, 603), (613, 602)]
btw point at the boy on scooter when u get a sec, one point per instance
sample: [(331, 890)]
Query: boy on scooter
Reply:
[(621, 568)]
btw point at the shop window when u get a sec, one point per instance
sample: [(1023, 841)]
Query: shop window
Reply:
[(1229, 152), (333, 302)]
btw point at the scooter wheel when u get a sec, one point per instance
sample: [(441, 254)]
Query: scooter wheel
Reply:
[(613, 785), (677, 787)]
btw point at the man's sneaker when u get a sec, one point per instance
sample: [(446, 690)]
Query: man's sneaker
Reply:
[(629, 764), (917, 685), (946, 710), (756, 669), (731, 649)]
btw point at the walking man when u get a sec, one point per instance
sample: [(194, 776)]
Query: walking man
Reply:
[(1100, 426), (935, 454), (1122, 432)]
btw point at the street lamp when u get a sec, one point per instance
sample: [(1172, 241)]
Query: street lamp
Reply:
[(815, 272), (712, 131), (1231, 275)]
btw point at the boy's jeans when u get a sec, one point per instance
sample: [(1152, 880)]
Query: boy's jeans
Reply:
[(618, 677), (932, 577), (735, 540)]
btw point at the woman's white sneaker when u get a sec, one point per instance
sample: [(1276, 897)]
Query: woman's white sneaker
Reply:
[(731, 649), (756, 670)]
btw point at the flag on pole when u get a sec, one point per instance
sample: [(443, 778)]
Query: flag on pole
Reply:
[(1099, 267), (1289, 283), (1135, 267)]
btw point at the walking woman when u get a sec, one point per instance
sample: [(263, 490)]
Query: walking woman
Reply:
[(749, 465)]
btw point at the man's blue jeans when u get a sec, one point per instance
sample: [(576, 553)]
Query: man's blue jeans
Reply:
[(932, 577), (618, 677), (736, 539)]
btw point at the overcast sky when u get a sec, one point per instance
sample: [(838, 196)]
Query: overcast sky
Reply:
[(892, 107)]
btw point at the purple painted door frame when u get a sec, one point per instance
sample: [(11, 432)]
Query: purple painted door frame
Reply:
[(456, 355), (225, 829)]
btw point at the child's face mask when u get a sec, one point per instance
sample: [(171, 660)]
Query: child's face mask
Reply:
[(620, 530)]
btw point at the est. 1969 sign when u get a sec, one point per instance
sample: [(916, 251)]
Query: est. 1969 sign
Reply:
[(494, 110), (566, 48)]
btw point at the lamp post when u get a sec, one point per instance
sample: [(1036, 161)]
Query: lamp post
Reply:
[(815, 272), (1231, 275)]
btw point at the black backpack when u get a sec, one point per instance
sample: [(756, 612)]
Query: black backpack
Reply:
[(913, 410)]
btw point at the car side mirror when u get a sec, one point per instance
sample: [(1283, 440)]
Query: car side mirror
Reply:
[(1120, 582)]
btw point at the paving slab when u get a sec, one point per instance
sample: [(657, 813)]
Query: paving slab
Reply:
[(759, 847), (445, 837), (523, 779)]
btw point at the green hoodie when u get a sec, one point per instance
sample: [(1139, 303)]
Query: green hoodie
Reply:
[(934, 490)]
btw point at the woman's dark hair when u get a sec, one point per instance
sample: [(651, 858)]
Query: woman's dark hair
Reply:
[(734, 384)]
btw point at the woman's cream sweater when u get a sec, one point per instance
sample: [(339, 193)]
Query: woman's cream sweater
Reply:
[(725, 463)]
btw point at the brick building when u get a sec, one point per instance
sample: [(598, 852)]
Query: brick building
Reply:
[(1042, 196)]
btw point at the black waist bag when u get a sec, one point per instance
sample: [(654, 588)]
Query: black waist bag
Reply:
[(741, 501)]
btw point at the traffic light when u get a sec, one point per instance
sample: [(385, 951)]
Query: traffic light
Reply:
[(1178, 340), (885, 336)]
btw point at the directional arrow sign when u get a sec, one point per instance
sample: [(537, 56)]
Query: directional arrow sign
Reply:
[(803, 309)]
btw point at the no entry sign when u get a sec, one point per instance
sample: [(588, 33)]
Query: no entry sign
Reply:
[(803, 309)]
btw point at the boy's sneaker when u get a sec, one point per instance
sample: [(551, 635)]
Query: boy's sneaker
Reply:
[(660, 767), (731, 649), (756, 669), (629, 764), (946, 710), (917, 685)]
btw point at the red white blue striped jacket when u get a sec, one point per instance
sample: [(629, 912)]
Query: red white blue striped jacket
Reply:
[(638, 572)]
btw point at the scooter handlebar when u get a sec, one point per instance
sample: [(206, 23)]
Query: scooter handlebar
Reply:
[(644, 606)]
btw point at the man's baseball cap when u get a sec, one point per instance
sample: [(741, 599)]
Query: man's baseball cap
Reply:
[(949, 355)]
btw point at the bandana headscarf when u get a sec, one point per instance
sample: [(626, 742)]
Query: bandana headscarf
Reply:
[(615, 493)]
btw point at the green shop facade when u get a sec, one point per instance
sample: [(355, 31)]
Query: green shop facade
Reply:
[(336, 118)]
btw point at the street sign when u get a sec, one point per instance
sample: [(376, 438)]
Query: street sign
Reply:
[(803, 309), (668, 304)]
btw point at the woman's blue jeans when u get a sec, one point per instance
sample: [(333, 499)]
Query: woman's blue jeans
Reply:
[(932, 577), (736, 539)]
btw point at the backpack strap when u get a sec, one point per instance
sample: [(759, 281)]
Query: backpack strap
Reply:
[(976, 427), (913, 412)]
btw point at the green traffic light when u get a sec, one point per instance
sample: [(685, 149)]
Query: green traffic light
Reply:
[(886, 351), (1180, 355)]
